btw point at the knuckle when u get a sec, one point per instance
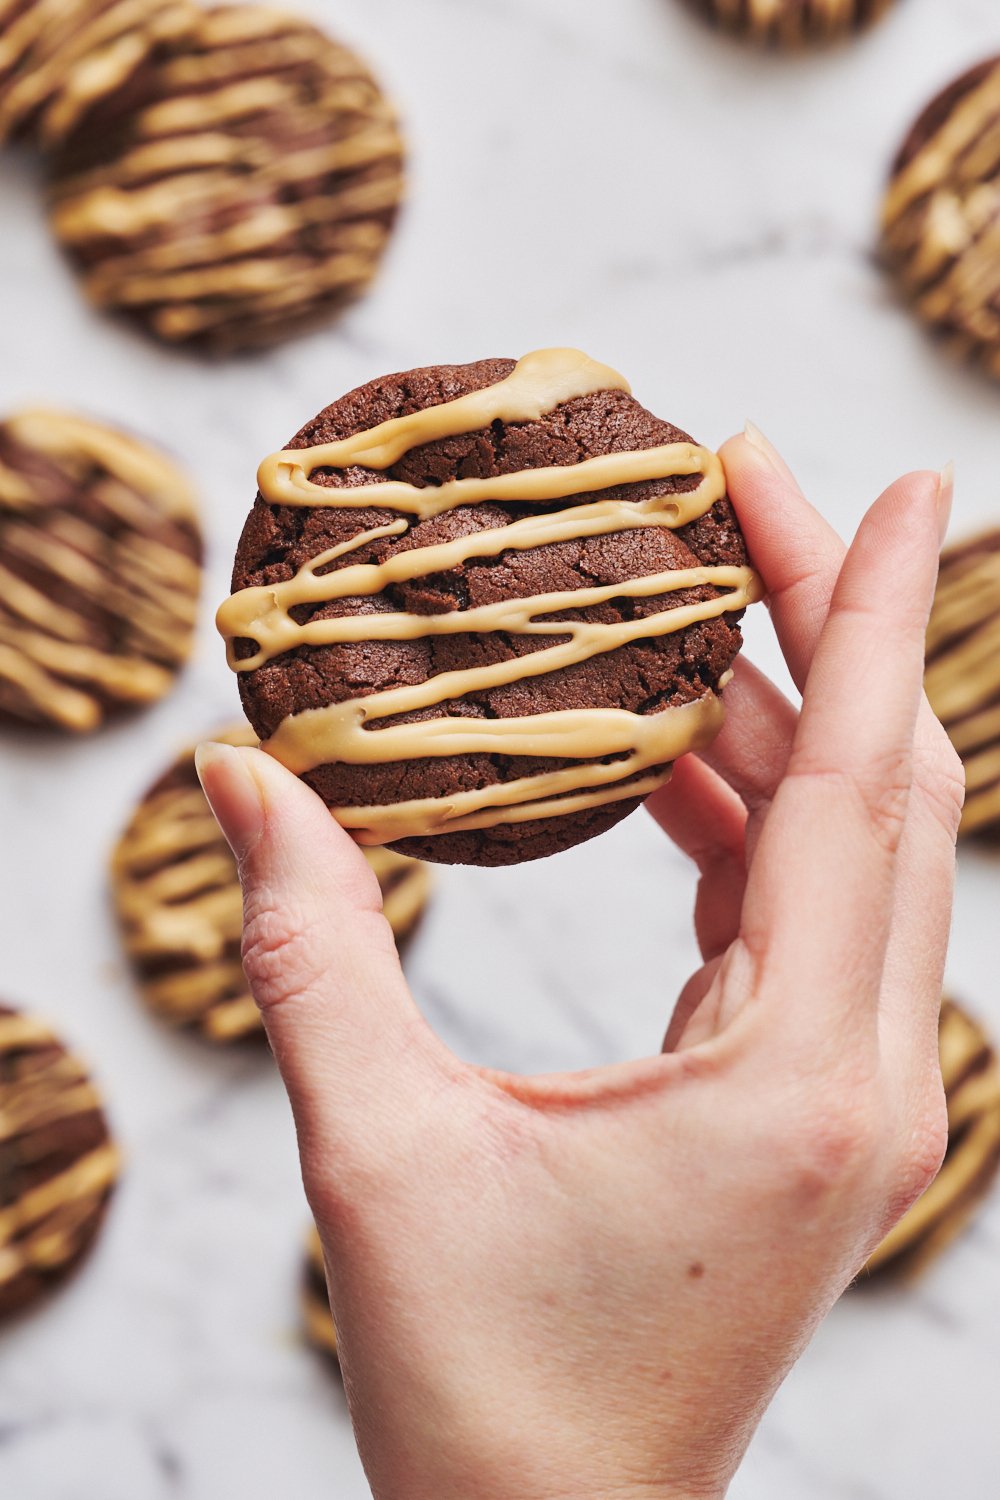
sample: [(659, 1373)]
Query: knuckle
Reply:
[(886, 802), (882, 790), (342, 1187), (837, 1144), (909, 615), (941, 781), (379, 937), (918, 1159), (278, 955)]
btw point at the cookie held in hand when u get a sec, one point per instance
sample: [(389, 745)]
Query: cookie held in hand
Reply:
[(241, 190), (100, 569), (179, 905), (941, 212), (58, 1164), (482, 608)]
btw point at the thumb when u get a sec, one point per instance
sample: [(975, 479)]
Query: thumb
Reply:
[(319, 956)]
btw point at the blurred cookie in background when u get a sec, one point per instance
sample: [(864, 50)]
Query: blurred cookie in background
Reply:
[(178, 899), (941, 216), (241, 190), (792, 23), (963, 670), (59, 59), (100, 569), (317, 1319), (972, 1085), (58, 1164)]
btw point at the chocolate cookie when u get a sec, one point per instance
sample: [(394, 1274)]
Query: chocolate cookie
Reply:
[(57, 1163), (972, 1084), (242, 190), (178, 899), (100, 567), (941, 216), (526, 584), (963, 670), (61, 59), (792, 23), (317, 1319)]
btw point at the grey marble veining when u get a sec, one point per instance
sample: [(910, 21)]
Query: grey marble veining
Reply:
[(607, 175)]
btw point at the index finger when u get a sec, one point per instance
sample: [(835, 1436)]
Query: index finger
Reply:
[(796, 551)]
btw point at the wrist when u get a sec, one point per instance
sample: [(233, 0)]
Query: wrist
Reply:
[(474, 1480), (548, 1470)]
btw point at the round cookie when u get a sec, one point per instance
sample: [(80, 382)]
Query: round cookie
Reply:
[(317, 1319), (57, 1162), (178, 899), (962, 676), (972, 1085), (792, 23), (526, 583), (100, 568), (242, 190), (60, 59), (941, 216)]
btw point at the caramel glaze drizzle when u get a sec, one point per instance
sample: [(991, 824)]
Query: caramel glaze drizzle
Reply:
[(941, 223), (261, 182), (177, 892), (60, 57), (790, 23), (963, 669), (972, 1085), (44, 1227), (337, 732)]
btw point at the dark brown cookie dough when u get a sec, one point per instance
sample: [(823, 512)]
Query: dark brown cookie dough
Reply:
[(941, 215), (317, 1319), (177, 894), (100, 568), (642, 678), (792, 23), (972, 1086), (962, 676), (57, 1162), (62, 59), (239, 191)]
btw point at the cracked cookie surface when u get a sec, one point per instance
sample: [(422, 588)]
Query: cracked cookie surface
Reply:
[(642, 677)]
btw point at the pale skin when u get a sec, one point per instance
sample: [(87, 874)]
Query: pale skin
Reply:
[(592, 1284)]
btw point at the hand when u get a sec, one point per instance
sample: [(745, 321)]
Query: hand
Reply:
[(592, 1284)]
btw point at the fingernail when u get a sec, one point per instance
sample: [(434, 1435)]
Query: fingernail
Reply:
[(763, 445), (232, 792), (945, 495)]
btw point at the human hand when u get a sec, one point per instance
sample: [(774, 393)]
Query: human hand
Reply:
[(592, 1284)]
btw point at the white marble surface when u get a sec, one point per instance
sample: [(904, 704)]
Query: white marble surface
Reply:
[(603, 174)]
